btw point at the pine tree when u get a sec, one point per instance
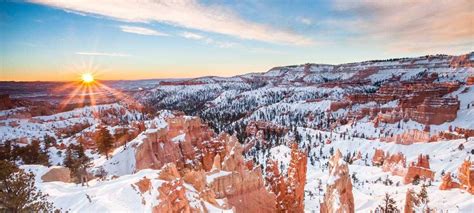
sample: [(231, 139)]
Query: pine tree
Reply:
[(389, 205), (104, 141), (76, 160), (18, 192), (32, 153), (423, 198)]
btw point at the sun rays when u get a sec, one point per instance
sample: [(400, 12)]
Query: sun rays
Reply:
[(89, 91)]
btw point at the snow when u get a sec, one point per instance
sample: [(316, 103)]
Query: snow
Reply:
[(211, 177), (180, 138)]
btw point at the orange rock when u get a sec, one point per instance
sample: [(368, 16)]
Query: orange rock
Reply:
[(243, 188), (419, 170), (57, 174), (338, 196), (410, 200), (423, 161), (466, 176), (196, 178), (289, 190), (190, 148), (378, 158), (470, 80), (395, 164), (448, 182), (169, 172), (409, 137), (144, 185), (173, 198), (414, 172)]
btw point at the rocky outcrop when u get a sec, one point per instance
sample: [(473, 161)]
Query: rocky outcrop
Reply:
[(466, 176), (448, 182), (185, 141), (435, 110), (420, 99), (290, 189), (410, 201), (144, 185), (378, 158), (243, 188), (5, 102), (395, 164), (461, 61), (338, 196), (173, 198), (408, 137), (188, 151), (470, 80), (62, 174), (419, 170), (336, 105)]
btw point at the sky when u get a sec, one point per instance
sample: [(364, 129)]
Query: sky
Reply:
[(58, 40)]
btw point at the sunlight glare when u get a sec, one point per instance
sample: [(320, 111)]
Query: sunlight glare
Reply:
[(87, 78)]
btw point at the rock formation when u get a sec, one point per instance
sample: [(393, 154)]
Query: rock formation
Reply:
[(243, 188), (419, 170), (409, 137), (5, 102), (290, 189), (185, 142), (378, 158), (338, 196), (57, 174), (448, 182), (187, 150), (410, 201), (470, 80), (466, 176), (395, 164), (173, 198)]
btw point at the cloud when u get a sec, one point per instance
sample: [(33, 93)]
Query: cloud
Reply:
[(220, 44), (141, 30), (183, 13), (304, 20), (405, 26), (190, 35), (103, 54)]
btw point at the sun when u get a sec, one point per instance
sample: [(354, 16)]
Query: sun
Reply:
[(87, 78)]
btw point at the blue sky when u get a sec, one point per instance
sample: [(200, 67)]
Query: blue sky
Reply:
[(59, 40)]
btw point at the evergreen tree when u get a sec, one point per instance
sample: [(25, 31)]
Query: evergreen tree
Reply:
[(423, 198), (76, 160), (104, 141), (32, 153), (18, 192), (389, 205)]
